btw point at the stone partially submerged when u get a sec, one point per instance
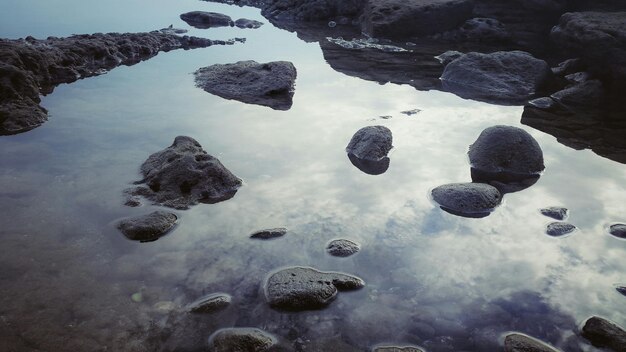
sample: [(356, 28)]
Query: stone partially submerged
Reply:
[(558, 229), (241, 340), (603, 333), (30, 67), (269, 233), (522, 343), (301, 288), (269, 84), (203, 19), (368, 149), (149, 227), (618, 230), (183, 175), (342, 248), (474, 200), (503, 77), (557, 213), (212, 303)]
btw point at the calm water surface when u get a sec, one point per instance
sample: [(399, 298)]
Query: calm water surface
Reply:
[(432, 279)]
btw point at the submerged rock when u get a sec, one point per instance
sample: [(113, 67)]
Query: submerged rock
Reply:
[(506, 154), (269, 233), (370, 167), (30, 67), (522, 343), (618, 230), (557, 213), (149, 227), (397, 349), (301, 288), (212, 303), (504, 77), (467, 199), (184, 174), (371, 143), (557, 229), (603, 333), (269, 84), (621, 289), (342, 248), (401, 19), (203, 19), (246, 23), (241, 340)]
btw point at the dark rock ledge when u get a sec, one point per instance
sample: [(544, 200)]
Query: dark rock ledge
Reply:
[(31, 67)]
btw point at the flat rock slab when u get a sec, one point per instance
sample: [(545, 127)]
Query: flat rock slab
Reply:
[(212, 303), (618, 230), (558, 229), (371, 143), (402, 19), (269, 233), (241, 340), (183, 175), (603, 333), (503, 77), (557, 213), (342, 248), (31, 67), (269, 84), (203, 19), (149, 227), (467, 199), (302, 288), (523, 343), (505, 154), (246, 23)]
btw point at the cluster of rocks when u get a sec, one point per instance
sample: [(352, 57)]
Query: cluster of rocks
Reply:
[(203, 20)]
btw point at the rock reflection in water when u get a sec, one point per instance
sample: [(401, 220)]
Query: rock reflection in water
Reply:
[(370, 167)]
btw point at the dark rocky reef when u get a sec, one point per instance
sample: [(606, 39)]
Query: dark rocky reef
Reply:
[(301, 288), (557, 213), (241, 340), (31, 67), (342, 248), (183, 175), (269, 233), (268, 84), (203, 19), (149, 227), (558, 229), (522, 343), (212, 303), (605, 334)]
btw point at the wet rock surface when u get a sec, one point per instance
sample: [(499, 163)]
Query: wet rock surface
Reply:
[(246, 23), (203, 19), (397, 349), (603, 333), (401, 19), (30, 67), (523, 343), (342, 248), (212, 303), (241, 340), (269, 233), (268, 84), (618, 230), (621, 289), (558, 229), (505, 77), (557, 213), (467, 199), (149, 227), (183, 175), (506, 154), (370, 167), (302, 288), (371, 143)]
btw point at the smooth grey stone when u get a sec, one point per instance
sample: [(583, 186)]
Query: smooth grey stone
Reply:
[(269, 233), (618, 230), (467, 199), (603, 333), (241, 340), (523, 343), (342, 248), (212, 303), (203, 19), (557, 229), (149, 227), (557, 213), (371, 143), (246, 23)]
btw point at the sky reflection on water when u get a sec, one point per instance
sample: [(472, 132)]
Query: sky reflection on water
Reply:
[(433, 278)]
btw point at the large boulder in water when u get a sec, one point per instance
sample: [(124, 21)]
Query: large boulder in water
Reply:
[(368, 149), (603, 333), (504, 77), (241, 340), (203, 20), (149, 227), (505, 154), (301, 288), (184, 174), (401, 19), (473, 200), (522, 343), (269, 84)]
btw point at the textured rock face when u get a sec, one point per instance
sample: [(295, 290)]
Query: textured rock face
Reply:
[(401, 19), (397, 349), (603, 333), (591, 33), (241, 340), (371, 143), (149, 227), (300, 288), (30, 67), (269, 233), (558, 229), (342, 248), (269, 84), (505, 153), (557, 213), (504, 77), (523, 343), (246, 23), (618, 230), (203, 19), (312, 10), (210, 304), (184, 174), (467, 199)]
